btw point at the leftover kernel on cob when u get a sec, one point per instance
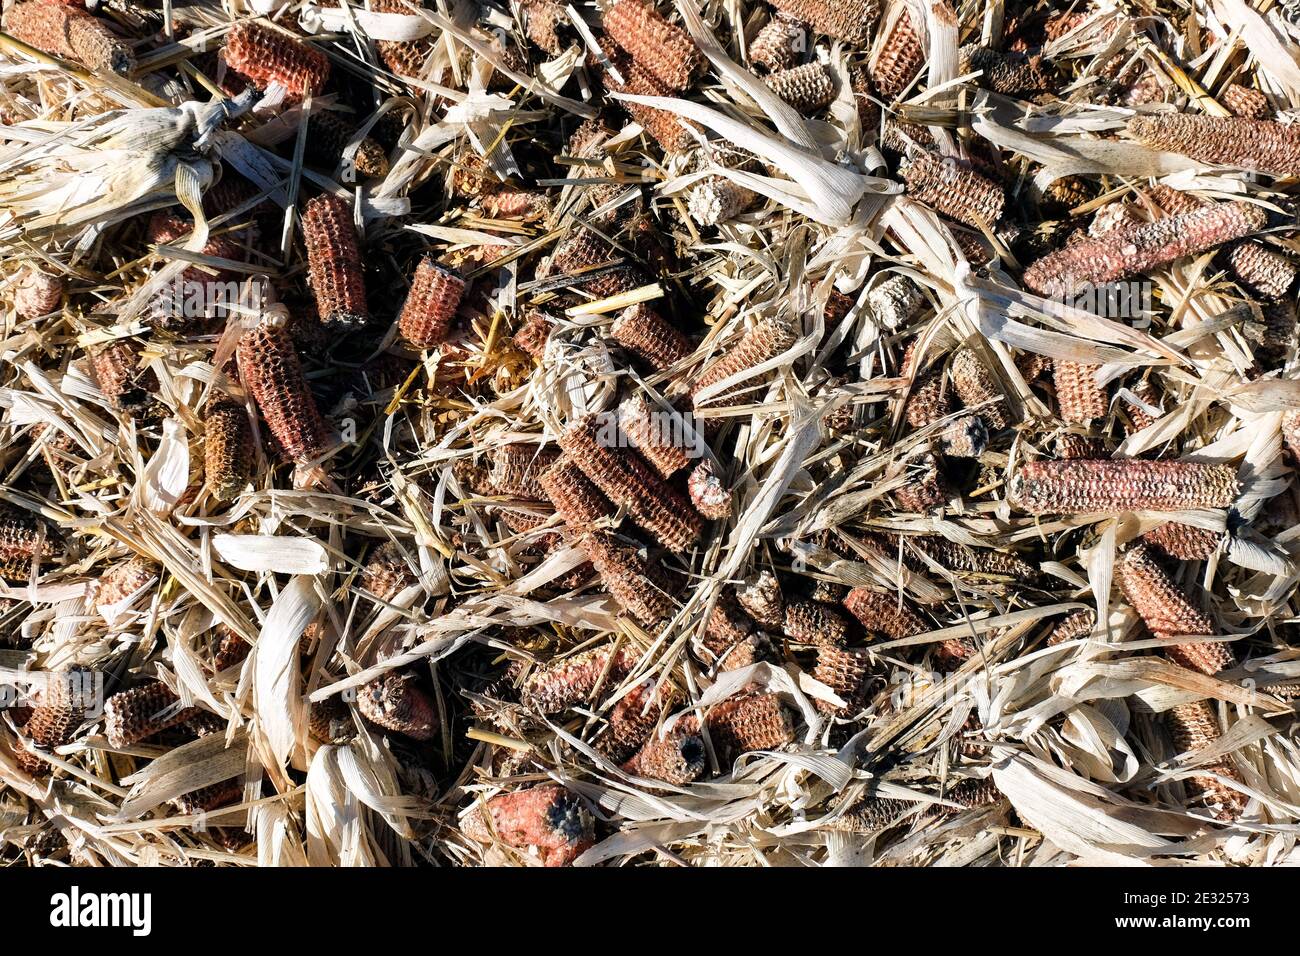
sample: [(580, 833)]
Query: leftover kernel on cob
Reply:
[(1184, 541), (1078, 395), (778, 44), (561, 684), (334, 262), (709, 495), (70, 33), (516, 469), (135, 714), (954, 189), (270, 370), (265, 55), (666, 51), (1246, 103), (976, 386), (883, 613), (1193, 727), (807, 88), (897, 56), (846, 672), (431, 304), (677, 759), (117, 371), (228, 451), (1075, 625), (546, 816), (847, 20), (650, 337), (812, 622), (1114, 486), (394, 702), (1264, 145)]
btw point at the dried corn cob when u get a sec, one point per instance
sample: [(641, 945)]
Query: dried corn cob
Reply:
[(883, 614), (386, 572), (628, 577), (1166, 611), (847, 672), (69, 33), (516, 469), (1262, 270), (666, 51), (132, 715), (896, 57), (541, 20), (1265, 145), (212, 797), (762, 599), (811, 622), (766, 340), (1078, 395), (847, 20), (334, 262), (926, 488), (629, 482), (62, 707), (583, 251), (1009, 73), (270, 370), (807, 88), (328, 136), (121, 582), (561, 684), (328, 721), (953, 189), (1246, 103), (741, 724), (431, 304), (575, 498), (394, 702), (656, 435), (547, 816), (1184, 541), (633, 720), (664, 127), (22, 537), (403, 57), (708, 494), (1140, 418), (231, 650), (872, 814), (728, 625), (265, 56), (37, 293), (228, 452), (964, 437), (975, 386), (534, 332), (1193, 727), (1141, 247), (117, 371), (896, 301), (648, 336), (1075, 625), (778, 44), (1114, 486), (962, 559), (677, 759)]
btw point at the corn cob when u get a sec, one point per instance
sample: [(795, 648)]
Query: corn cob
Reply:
[(926, 488), (847, 672), (516, 469), (328, 721), (534, 332), (628, 577), (1264, 145), (334, 262), (633, 720), (545, 816), (1075, 625), (677, 759), (975, 386), (1174, 202), (1193, 727), (959, 558), (850, 21), (37, 293), (728, 625), (1290, 427), (653, 435), (741, 724), (1141, 247), (582, 251), (762, 599), (1246, 103), (328, 136), (541, 19), (228, 450), (386, 572), (872, 814), (895, 301), (928, 400), (1140, 418), (648, 336), (666, 51), (121, 582), (1263, 271), (964, 437), (896, 57), (883, 614), (117, 371), (394, 702), (1184, 541), (811, 622), (664, 127), (403, 57), (1114, 486), (431, 304), (1078, 395), (708, 494), (270, 370), (778, 44), (20, 536), (575, 498), (212, 797), (62, 708), (231, 650), (132, 715), (807, 88), (955, 190), (267, 56), (629, 482), (1166, 611), (561, 684), (1008, 73), (766, 340), (70, 33)]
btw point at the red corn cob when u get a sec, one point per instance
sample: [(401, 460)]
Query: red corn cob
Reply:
[(1184, 541), (811, 622), (1078, 395), (728, 625), (70, 33), (1247, 103), (517, 468), (1263, 271), (1141, 247), (807, 88), (926, 488), (583, 251), (228, 451), (633, 720), (1265, 145), (37, 293), (708, 494), (665, 51), (132, 715), (927, 400), (649, 337), (541, 19), (267, 56), (883, 614), (1195, 726), (777, 45), (896, 57), (20, 536), (270, 370), (403, 57), (334, 262), (677, 759), (628, 577), (847, 672), (561, 684), (546, 816), (121, 582), (575, 498), (654, 435), (1075, 625), (394, 702), (231, 650), (61, 709), (1112, 486), (741, 724), (1166, 611), (766, 340), (663, 126), (532, 335), (117, 371), (962, 559), (954, 190), (847, 20), (386, 572)]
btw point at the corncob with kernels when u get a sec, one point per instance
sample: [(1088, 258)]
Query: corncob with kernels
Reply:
[(665, 51), (546, 816), (132, 715), (334, 262), (270, 370), (395, 702), (1114, 486), (1078, 395), (265, 55), (954, 189), (561, 684), (70, 33), (966, 436), (883, 613), (1193, 727), (1075, 625), (847, 20), (1264, 145), (1166, 611), (778, 44), (897, 55), (807, 88), (650, 337), (1184, 541), (228, 450)]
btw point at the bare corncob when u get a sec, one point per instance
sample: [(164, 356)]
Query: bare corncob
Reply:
[(532, 335), (966, 436), (231, 650), (1166, 611), (403, 57), (709, 495), (334, 261), (394, 702), (717, 199), (1184, 541), (628, 577), (1141, 247), (71, 34), (328, 721), (37, 292), (212, 797), (954, 190), (741, 724), (766, 340), (270, 370), (561, 684), (541, 20), (633, 720), (658, 440), (1262, 270), (386, 572), (666, 51), (1113, 486), (728, 625), (1265, 145), (629, 482), (872, 814), (1075, 625), (895, 301), (663, 126), (847, 20), (328, 136), (1246, 103), (1140, 418), (583, 250), (762, 599), (1174, 202), (957, 557), (847, 672), (896, 57), (265, 56), (1064, 194), (121, 582), (1193, 727), (120, 376), (1009, 73), (975, 385), (1078, 395), (650, 337), (132, 715), (516, 469), (811, 622), (883, 613), (807, 88), (677, 759), (228, 452), (776, 46), (20, 536), (576, 499), (926, 487), (547, 816)]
